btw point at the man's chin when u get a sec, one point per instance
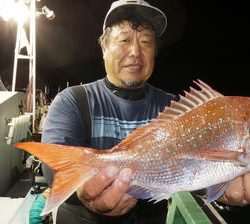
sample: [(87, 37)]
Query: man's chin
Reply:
[(133, 83)]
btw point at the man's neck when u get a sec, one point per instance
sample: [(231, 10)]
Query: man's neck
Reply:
[(127, 94)]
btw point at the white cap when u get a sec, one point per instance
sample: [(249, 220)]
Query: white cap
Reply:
[(125, 9)]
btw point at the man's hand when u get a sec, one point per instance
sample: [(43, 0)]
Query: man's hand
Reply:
[(238, 192), (105, 193)]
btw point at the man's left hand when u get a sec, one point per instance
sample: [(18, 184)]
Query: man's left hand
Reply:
[(238, 193)]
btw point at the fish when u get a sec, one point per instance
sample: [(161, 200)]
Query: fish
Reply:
[(201, 141)]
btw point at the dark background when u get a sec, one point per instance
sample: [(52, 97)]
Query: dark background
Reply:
[(205, 39)]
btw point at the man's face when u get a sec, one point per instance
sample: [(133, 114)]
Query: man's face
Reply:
[(129, 55)]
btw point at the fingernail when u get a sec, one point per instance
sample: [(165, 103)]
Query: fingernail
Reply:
[(244, 201), (111, 171), (126, 174)]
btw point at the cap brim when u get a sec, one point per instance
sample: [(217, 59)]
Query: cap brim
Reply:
[(150, 15)]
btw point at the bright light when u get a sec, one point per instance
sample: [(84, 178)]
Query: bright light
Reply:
[(49, 14), (10, 9), (6, 9), (21, 12)]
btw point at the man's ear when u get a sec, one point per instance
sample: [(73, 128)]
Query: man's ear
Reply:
[(104, 52)]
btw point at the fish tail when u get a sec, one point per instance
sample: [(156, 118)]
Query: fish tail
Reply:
[(71, 165)]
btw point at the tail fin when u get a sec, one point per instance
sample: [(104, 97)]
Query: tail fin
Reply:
[(70, 165)]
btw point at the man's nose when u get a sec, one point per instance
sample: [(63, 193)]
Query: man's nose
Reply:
[(135, 48)]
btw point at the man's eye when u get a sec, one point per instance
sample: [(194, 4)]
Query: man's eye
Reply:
[(146, 42), (124, 40)]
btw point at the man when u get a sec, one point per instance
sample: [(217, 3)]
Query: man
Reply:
[(119, 103)]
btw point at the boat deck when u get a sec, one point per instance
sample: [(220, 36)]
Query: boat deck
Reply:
[(19, 196)]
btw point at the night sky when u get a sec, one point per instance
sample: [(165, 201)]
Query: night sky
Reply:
[(205, 39)]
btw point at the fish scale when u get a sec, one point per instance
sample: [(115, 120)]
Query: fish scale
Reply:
[(201, 141)]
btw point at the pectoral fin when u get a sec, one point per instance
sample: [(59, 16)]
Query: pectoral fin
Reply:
[(215, 191), (146, 192)]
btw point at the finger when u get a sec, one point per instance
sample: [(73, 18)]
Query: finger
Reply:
[(114, 194), (125, 204), (235, 193), (98, 183), (246, 182)]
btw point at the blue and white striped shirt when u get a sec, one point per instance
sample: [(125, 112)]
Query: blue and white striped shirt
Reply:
[(112, 118)]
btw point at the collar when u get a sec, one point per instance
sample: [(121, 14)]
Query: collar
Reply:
[(127, 94)]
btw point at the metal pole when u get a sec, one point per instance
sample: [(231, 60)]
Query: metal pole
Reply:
[(16, 53), (32, 66)]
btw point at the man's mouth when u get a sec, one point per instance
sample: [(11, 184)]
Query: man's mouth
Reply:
[(134, 66)]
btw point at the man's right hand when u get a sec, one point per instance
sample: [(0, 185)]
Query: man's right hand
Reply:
[(105, 193)]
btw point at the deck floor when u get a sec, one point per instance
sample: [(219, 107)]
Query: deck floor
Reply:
[(16, 198), (21, 187)]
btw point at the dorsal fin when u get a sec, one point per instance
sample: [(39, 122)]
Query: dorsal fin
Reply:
[(186, 103), (191, 100)]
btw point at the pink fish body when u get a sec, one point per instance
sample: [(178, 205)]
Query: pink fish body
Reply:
[(201, 141)]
